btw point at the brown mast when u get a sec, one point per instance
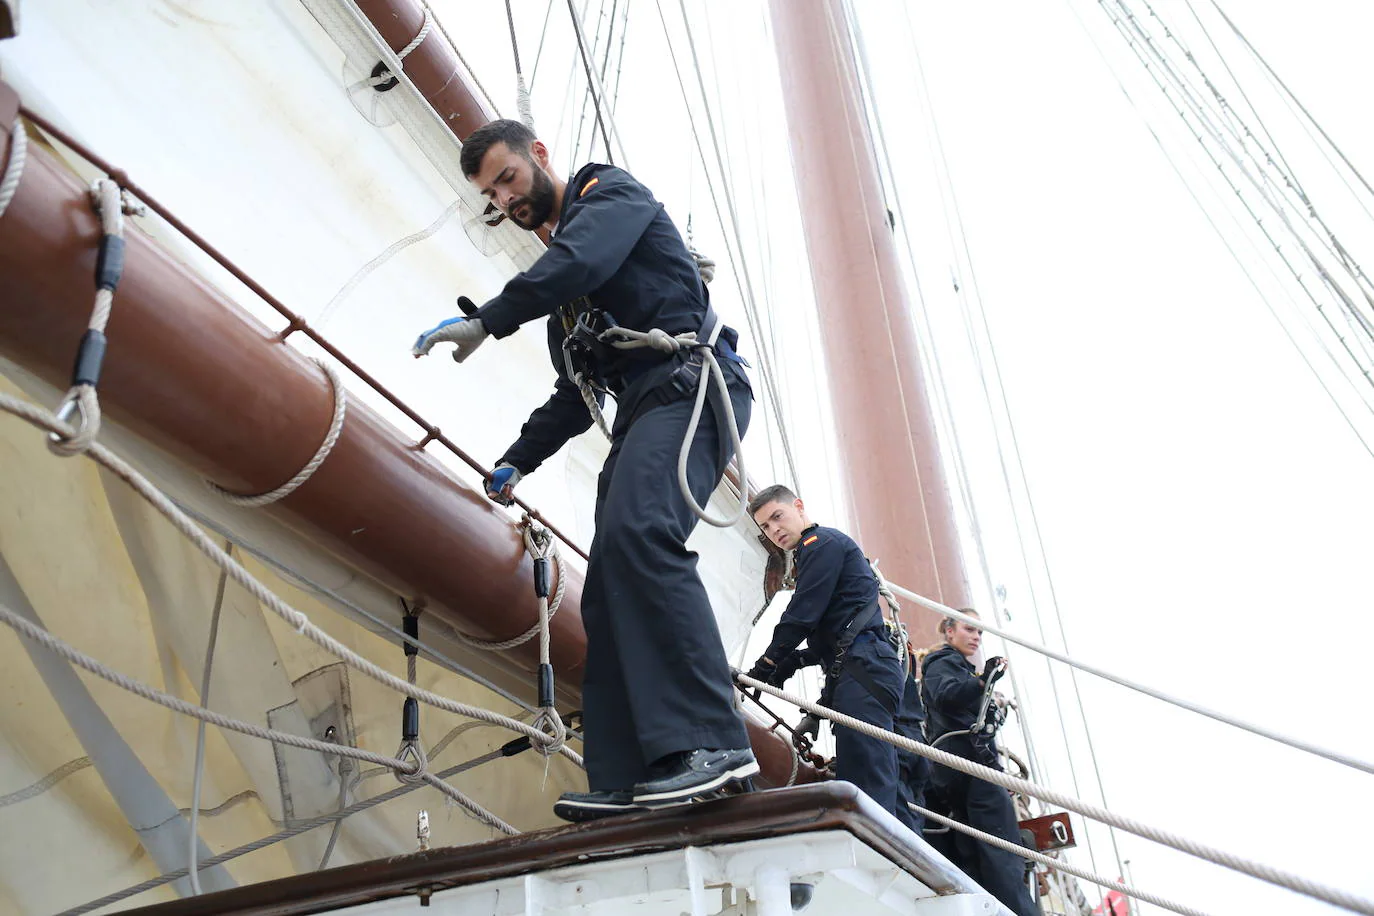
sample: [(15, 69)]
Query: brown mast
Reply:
[(898, 497)]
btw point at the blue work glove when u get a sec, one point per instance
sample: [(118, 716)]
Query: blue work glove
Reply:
[(466, 335), (502, 484)]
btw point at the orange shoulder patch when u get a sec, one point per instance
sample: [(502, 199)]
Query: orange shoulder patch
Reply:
[(811, 540), (588, 186)]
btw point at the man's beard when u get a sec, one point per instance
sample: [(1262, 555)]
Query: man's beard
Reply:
[(538, 203)]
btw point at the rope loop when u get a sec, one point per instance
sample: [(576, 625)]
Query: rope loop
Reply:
[(107, 199), (550, 723), (331, 437), (14, 168), (412, 753)]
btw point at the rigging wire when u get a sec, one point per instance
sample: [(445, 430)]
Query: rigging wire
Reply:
[(587, 86), (1129, 26), (1364, 441), (1326, 236), (1289, 93), (594, 85), (539, 53), (738, 265), (969, 292), (929, 352)]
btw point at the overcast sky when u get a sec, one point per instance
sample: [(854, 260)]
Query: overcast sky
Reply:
[(1204, 508)]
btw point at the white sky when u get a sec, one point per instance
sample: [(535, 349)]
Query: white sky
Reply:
[(1204, 509)]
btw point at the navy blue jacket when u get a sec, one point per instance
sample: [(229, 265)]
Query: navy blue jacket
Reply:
[(834, 582), (952, 694), (615, 245)]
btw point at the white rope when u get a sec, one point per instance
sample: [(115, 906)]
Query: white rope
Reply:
[(14, 168), (391, 251), (57, 646), (42, 419), (1268, 873), (81, 399), (584, 388), (330, 438), (1288, 740), (1057, 864), (47, 640), (660, 340), (535, 628)]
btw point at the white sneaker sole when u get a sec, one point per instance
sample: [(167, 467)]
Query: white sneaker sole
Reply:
[(683, 796)]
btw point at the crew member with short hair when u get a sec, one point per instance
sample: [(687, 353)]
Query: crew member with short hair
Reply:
[(835, 608), (660, 723), (953, 696)]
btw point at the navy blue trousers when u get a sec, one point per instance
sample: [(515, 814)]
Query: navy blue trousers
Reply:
[(656, 679), (988, 808), (867, 762), (913, 774)]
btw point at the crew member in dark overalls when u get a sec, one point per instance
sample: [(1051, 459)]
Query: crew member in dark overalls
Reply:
[(836, 610), (953, 695), (660, 724), (913, 770)]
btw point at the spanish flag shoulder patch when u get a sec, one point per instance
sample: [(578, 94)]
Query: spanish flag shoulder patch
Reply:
[(588, 186), (811, 540)]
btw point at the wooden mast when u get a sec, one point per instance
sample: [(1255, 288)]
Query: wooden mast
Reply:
[(897, 493)]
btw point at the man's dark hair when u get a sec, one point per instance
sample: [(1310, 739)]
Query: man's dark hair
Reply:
[(512, 133), (777, 493)]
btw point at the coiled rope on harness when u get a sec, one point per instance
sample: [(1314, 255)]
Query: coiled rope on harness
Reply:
[(1269, 873), (658, 339)]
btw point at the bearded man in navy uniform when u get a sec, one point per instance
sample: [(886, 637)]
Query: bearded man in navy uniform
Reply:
[(836, 609), (661, 727)]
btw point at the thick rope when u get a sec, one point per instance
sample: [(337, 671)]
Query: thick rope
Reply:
[(1057, 864), (588, 393), (81, 399), (1288, 740), (14, 168), (293, 831), (331, 437), (540, 546), (47, 640), (660, 340), (1268, 873), (535, 628), (298, 621), (57, 646)]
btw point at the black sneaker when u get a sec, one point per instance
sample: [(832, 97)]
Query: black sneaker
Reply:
[(578, 807), (697, 775)]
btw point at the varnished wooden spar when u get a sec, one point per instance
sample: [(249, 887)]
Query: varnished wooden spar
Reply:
[(191, 372)]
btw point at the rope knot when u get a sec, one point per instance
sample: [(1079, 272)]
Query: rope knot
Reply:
[(415, 773), (550, 724)]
